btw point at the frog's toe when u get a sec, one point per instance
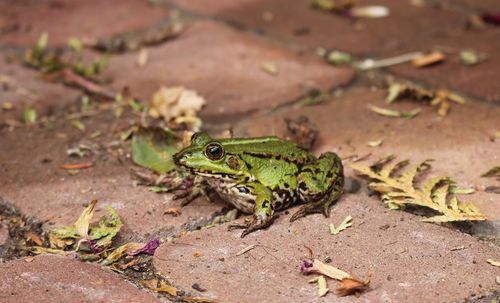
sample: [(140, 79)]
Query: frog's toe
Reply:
[(237, 226), (305, 210), (258, 222)]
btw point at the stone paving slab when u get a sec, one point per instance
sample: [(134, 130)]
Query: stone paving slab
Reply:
[(431, 27), (22, 22), (62, 279), (478, 80), (224, 66), (60, 198), (411, 261), (346, 124), (298, 23), (21, 87)]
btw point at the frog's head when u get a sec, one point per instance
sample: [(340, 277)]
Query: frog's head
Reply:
[(209, 157)]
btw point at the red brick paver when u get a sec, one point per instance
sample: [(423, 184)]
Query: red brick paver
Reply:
[(411, 261), (61, 279), (224, 66), (22, 22)]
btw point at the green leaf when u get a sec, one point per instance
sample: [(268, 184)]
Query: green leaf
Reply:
[(41, 45), (75, 44), (159, 189), (107, 229), (338, 58), (29, 115), (153, 148), (314, 97), (344, 225), (326, 5)]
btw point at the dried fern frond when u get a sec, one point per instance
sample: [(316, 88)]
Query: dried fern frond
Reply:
[(399, 189)]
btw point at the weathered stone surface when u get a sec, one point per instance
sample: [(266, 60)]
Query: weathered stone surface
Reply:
[(478, 80), (37, 186), (411, 261), (62, 279), (21, 87), (298, 23), (22, 22), (224, 66), (432, 27), (346, 124)]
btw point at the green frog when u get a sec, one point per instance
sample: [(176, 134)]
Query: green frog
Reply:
[(263, 175)]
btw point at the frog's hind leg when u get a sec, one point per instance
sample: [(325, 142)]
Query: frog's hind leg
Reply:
[(263, 210), (321, 205), (324, 181)]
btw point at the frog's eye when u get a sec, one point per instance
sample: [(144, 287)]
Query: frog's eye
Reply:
[(214, 151)]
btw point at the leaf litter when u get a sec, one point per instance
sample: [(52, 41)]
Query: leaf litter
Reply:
[(395, 113), (93, 242), (177, 105), (440, 98), (399, 189), (348, 284), (346, 223)]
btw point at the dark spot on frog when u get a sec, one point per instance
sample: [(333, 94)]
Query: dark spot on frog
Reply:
[(286, 185), (329, 174), (265, 204), (233, 163)]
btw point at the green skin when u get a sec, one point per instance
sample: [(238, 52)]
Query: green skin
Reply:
[(264, 175)]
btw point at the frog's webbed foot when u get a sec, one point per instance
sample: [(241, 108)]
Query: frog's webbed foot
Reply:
[(258, 222), (263, 211)]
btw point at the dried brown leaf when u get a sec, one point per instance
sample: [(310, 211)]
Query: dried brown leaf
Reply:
[(349, 286), (245, 250), (400, 190), (429, 59), (77, 165), (31, 236), (177, 105)]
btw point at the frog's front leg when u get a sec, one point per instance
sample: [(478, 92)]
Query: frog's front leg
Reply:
[(263, 214)]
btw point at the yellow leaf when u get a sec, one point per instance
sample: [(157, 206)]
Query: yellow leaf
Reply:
[(322, 287), (329, 271), (433, 194), (119, 252), (83, 222), (493, 262), (344, 225)]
